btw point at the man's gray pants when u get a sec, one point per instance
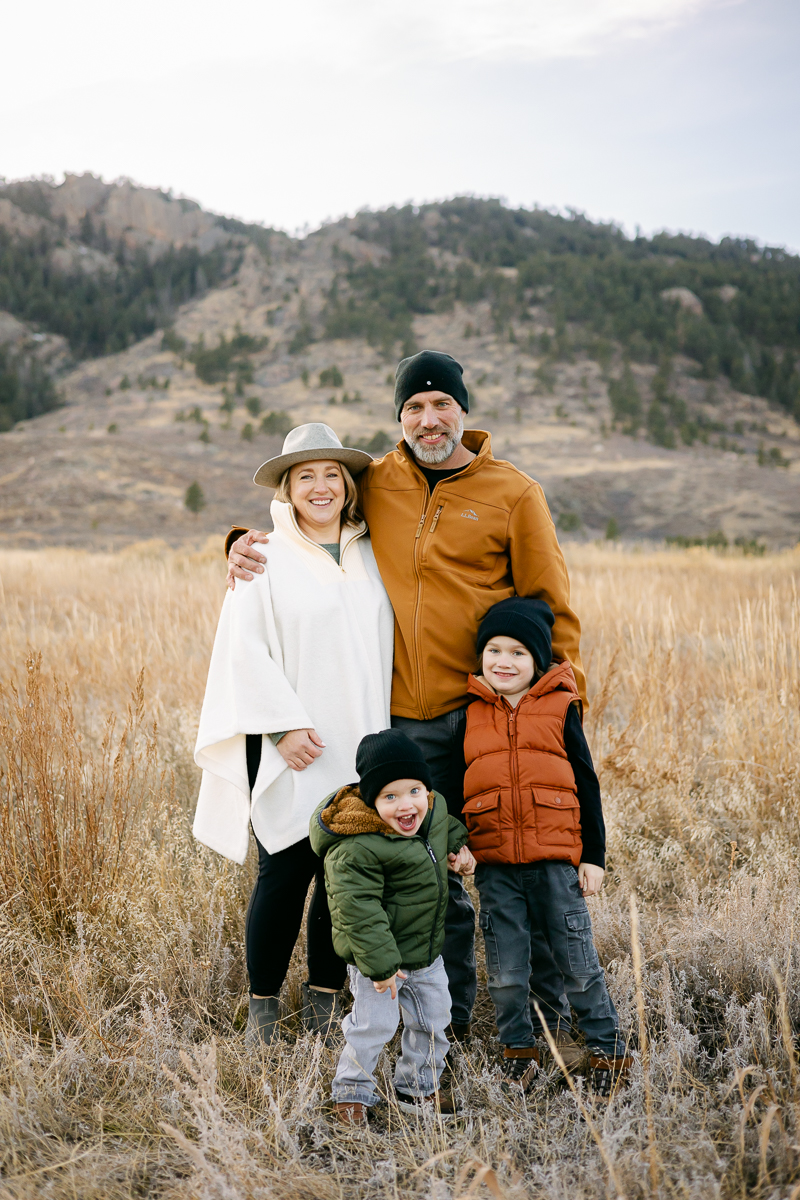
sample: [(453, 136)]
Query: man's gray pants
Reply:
[(425, 1003), (441, 740)]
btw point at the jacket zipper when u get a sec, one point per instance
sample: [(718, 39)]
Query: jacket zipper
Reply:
[(516, 798), (435, 862), (418, 608)]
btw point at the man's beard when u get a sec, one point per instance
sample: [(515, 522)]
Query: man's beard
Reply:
[(433, 455)]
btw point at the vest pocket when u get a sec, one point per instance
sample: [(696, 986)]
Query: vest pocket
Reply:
[(481, 816), (558, 816)]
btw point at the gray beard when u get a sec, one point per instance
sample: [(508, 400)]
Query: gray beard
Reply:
[(433, 455)]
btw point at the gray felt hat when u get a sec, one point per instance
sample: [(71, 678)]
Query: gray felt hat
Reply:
[(307, 442)]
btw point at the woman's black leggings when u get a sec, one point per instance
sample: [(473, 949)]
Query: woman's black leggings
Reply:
[(275, 912)]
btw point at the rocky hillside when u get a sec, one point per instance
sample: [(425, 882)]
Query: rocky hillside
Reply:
[(147, 346)]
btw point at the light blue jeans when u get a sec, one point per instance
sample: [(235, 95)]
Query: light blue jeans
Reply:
[(425, 1003)]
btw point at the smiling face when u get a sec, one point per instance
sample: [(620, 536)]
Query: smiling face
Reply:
[(508, 666), (403, 805), (433, 423), (317, 491)]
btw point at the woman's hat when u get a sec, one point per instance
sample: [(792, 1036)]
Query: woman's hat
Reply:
[(307, 442)]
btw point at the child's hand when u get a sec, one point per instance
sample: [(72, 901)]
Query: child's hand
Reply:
[(390, 984), (590, 878), (462, 863)]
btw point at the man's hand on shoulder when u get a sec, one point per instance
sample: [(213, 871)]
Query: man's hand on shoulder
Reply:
[(243, 559)]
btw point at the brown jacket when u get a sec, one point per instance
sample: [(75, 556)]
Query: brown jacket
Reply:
[(521, 799), (445, 558)]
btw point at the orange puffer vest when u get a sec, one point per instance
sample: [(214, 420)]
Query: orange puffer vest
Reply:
[(521, 799)]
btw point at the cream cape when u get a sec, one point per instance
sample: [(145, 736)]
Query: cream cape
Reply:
[(308, 644)]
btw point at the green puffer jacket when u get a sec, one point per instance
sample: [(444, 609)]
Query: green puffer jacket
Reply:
[(387, 893)]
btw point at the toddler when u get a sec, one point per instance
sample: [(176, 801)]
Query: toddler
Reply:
[(388, 843)]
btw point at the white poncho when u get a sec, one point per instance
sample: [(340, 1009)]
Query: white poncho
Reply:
[(306, 645)]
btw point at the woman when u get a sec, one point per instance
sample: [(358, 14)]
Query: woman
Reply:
[(300, 672)]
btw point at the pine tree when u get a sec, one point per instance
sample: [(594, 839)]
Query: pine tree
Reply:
[(194, 498)]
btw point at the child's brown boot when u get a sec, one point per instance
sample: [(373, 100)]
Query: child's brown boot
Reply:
[(608, 1074), (572, 1054), (351, 1113), (521, 1064), (439, 1102)]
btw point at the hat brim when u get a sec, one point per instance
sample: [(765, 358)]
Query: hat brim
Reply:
[(269, 473)]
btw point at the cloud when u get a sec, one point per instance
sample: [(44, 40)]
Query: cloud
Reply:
[(60, 47), (529, 29)]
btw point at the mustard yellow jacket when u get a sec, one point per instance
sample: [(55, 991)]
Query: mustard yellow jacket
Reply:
[(445, 558)]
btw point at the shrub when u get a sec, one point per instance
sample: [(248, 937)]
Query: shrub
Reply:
[(331, 377), (173, 341), (276, 423)]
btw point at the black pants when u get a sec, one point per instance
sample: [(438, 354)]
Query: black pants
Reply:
[(441, 740), (275, 912)]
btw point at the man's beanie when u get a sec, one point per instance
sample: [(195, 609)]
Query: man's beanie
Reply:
[(527, 621), (429, 371), (383, 757)]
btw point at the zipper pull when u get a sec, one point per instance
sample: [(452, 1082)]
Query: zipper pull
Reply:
[(437, 514), (430, 851), (421, 523)]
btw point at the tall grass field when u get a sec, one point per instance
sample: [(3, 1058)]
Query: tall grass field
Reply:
[(123, 1071)]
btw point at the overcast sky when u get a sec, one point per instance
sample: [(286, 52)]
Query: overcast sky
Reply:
[(679, 114)]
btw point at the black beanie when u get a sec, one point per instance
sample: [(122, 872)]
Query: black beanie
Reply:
[(429, 371), (527, 621), (383, 757)]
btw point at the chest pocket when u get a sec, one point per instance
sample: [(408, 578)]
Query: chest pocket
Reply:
[(558, 816), (463, 537)]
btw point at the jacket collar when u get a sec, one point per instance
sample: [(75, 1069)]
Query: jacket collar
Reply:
[(285, 523), (347, 815), (559, 678), (479, 441)]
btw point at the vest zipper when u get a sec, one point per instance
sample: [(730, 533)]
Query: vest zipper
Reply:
[(435, 862), (516, 797), (436, 516), (421, 524)]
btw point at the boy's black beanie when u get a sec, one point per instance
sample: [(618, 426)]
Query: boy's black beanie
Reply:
[(429, 371), (528, 621), (383, 757)]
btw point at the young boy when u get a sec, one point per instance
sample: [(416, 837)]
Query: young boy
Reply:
[(388, 844), (536, 827)]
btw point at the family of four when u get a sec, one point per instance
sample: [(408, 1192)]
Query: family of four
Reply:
[(395, 701)]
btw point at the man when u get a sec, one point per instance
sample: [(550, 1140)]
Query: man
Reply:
[(454, 531)]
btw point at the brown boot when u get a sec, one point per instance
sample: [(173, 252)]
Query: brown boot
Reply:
[(608, 1074), (572, 1054), (521, 1064), (352, 1113), (442, 1103)]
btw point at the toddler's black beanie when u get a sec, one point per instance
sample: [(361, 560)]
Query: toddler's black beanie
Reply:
[(383, 757), (429, 371), (528, 621)]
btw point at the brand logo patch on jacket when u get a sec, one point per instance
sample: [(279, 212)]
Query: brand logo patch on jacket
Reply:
[(469, 514)]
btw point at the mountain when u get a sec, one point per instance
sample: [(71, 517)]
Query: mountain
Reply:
[(651, 385)]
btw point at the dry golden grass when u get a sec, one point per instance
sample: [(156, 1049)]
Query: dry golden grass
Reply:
[(122, 1069)]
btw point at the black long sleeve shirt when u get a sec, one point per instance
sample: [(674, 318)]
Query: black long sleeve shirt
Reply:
[(593, 828)]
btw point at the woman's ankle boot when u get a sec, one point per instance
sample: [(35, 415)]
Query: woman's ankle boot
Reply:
[(321, 1012), (262, 1021)]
